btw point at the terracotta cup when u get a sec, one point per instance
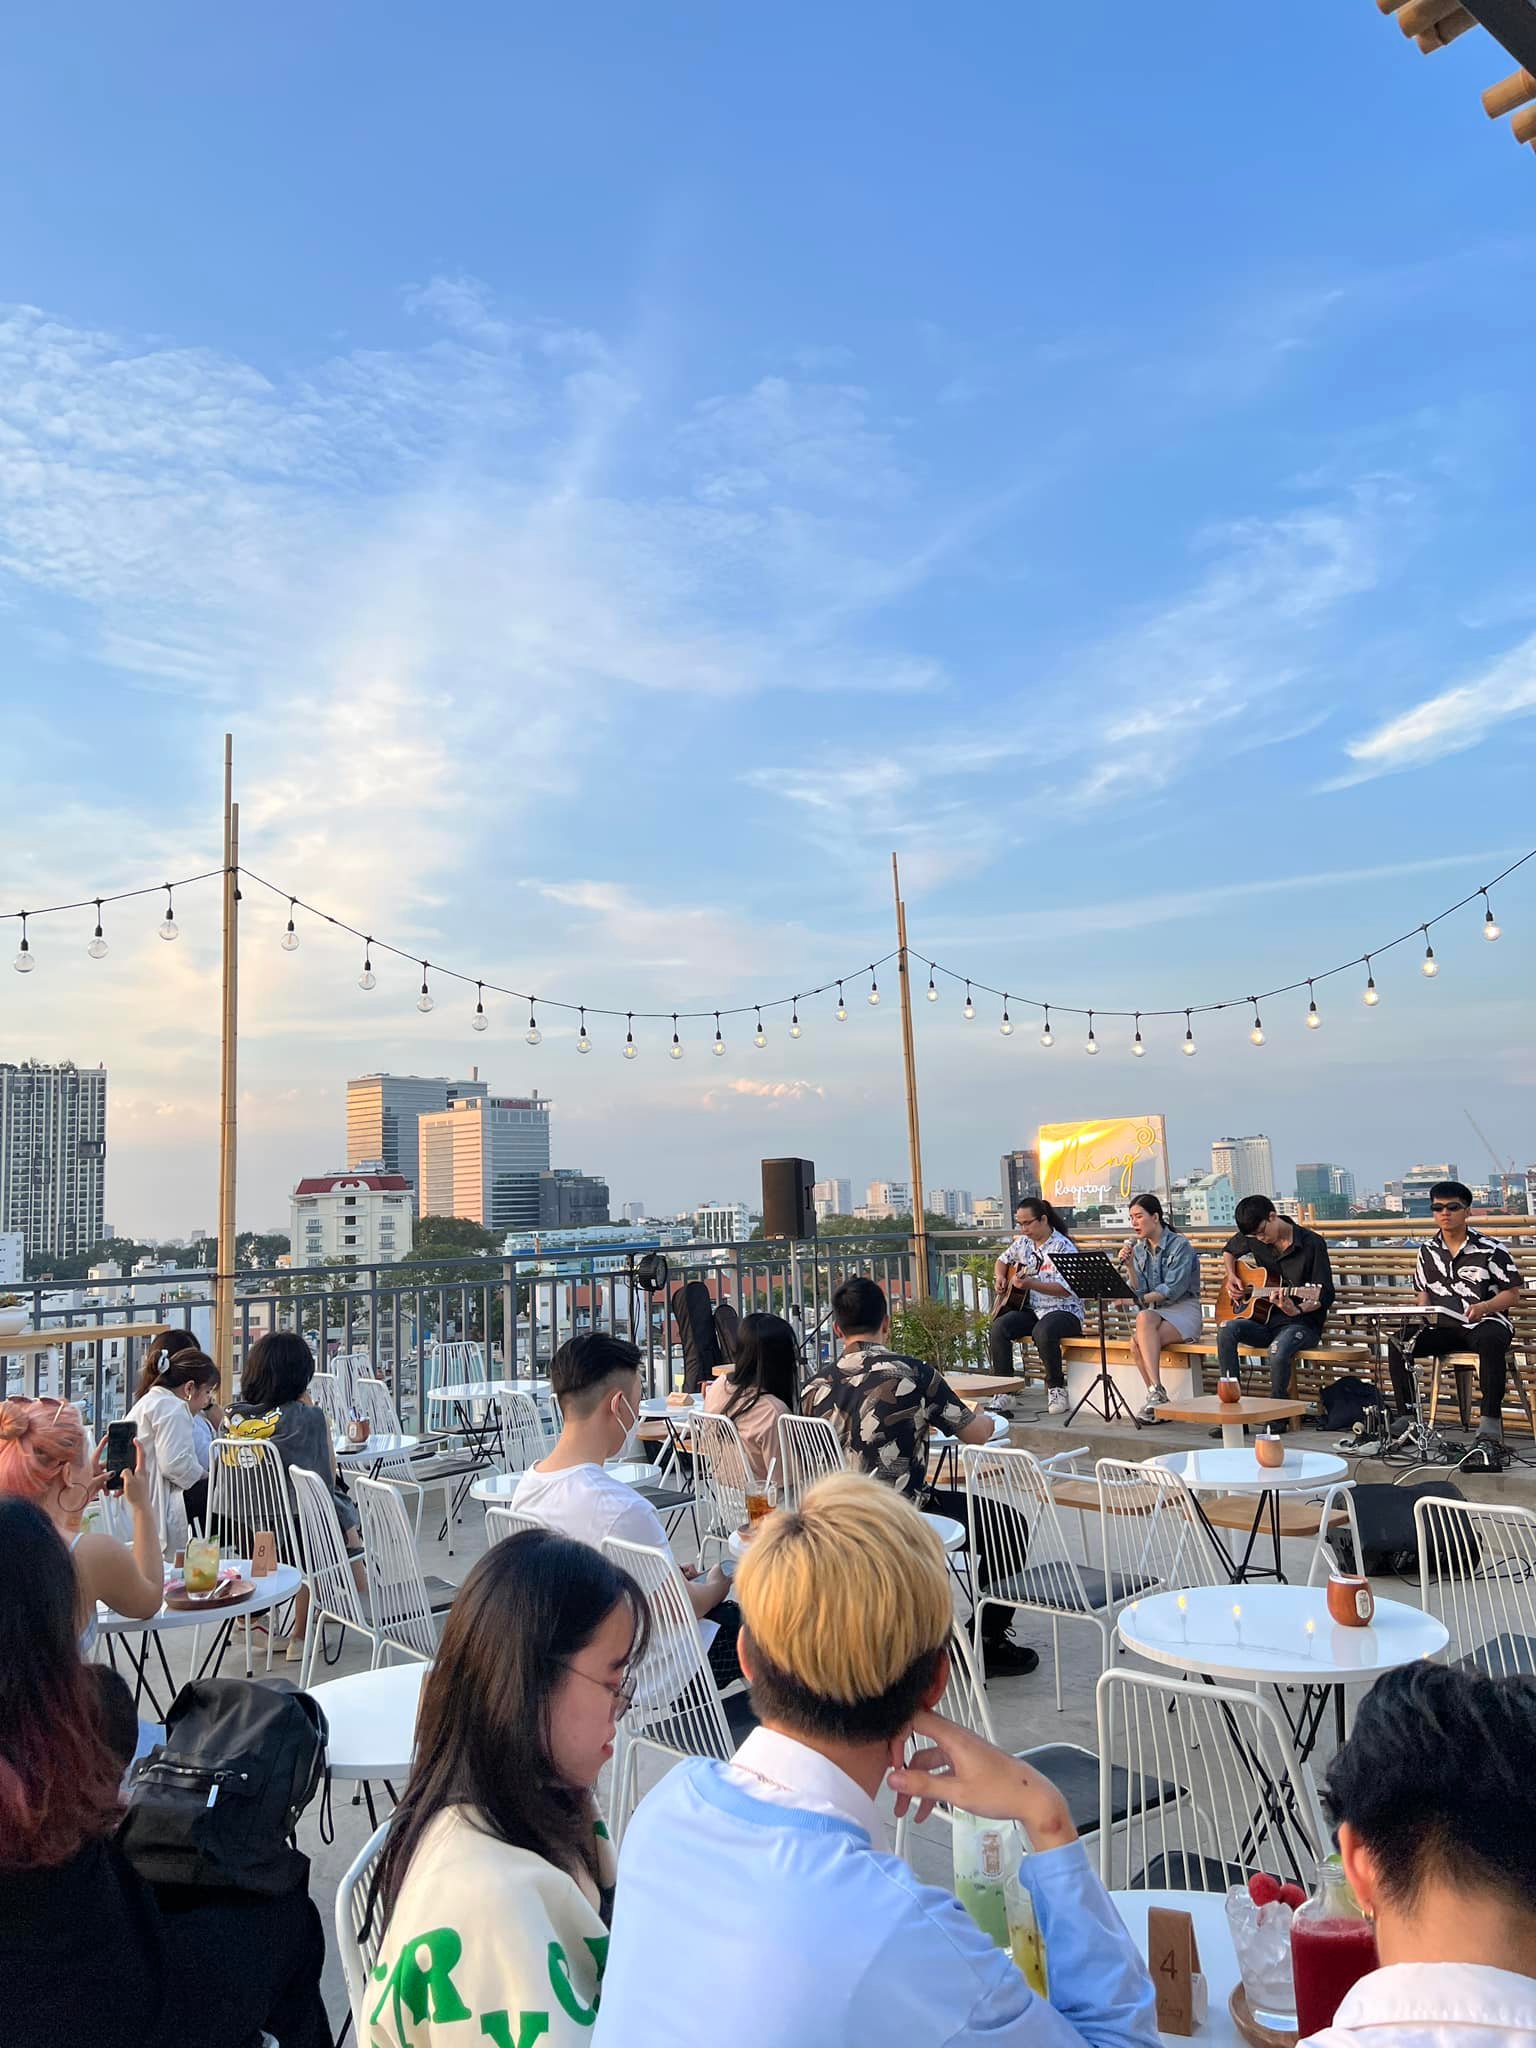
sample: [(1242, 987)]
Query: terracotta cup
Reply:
[(1351, 1602), (1229, 1391)]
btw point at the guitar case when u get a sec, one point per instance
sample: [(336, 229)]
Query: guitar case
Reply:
[(693, 1311)]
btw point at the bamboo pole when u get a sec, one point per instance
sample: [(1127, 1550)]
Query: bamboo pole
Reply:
[(224, 1282), (1523, 125), (1445, 31), (1417, 17), (909, 1064), (1508, 94)]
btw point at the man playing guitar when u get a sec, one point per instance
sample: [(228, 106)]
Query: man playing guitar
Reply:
[(1286, 1316), (1030, 1298)]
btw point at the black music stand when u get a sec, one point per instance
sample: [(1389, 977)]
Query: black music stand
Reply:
[(1093, 1276)]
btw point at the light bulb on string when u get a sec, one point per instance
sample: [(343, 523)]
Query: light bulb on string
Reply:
[(24, 961), (1314, 1021), (1372, 998), (1047, 1036), (718, 1048), (1006, 1027), (583, 1043), (1257, 1033), (794, 1018), (479, 1020), (533, 1034), (1429, 966), (842, 1007), (1093, 1044), (169, 929), (631, 1050), (290, 936), (873, 997), (970, 1008), (1138, 1048), (1491, 928), (367, 979), (424, 1000), (933, 994), (1189, 1037), (98, 946), (676, 1050), (759, 1036)]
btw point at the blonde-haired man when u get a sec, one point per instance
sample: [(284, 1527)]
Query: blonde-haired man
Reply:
[(807, 1930)]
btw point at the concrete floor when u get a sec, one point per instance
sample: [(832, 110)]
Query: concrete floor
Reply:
[(1023, 1709)]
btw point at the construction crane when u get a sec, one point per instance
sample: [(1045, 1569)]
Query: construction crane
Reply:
[(1504, 1172)]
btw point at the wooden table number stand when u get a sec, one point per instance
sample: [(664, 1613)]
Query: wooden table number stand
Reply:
[(263, 1554), (1173, 1957)]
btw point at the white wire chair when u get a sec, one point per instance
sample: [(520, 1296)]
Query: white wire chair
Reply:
[(809, 1448), (1015, 1524), (502, 1521), (333, 1594), (1230, 1797), (326, 1392), (524, 1439), (249, 1493), (402, 1609), (677, 1710), (347, 1367), (458, 1363), (1339, 1498), (1477, 1574), (357, 1936), (722, 1478), (1151, 1531)]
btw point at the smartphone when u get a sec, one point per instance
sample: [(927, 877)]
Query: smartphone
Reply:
[(120, 1453)]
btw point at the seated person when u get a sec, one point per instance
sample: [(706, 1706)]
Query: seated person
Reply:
[(175, 1388), (1294, 1258), (1162, 1270), (762, 1384), (1053, 1311), (1474, 1282), (817, 1935), (88, 1951), (883, 1405), (596, 1380), (1434, 1799), (495, 1888)]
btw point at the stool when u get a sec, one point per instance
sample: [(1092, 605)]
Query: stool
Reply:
[(1464, 1364)]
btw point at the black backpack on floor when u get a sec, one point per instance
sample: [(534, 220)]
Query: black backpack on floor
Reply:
[(219, 1802), (1389, 1539)]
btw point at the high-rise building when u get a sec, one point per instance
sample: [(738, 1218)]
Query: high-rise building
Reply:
[(1248, 1163), (481, 1158), (988, 1213), (721, 1223), (1021, 1177), (356, 1218), (954, 1203), (887, 1198), (384, 1113), (569, 1200), (1410, 1195), (634, 1212), (831, 1198), (53, 1156), (1205, 1202), (13, 1258), (1327, 1190)]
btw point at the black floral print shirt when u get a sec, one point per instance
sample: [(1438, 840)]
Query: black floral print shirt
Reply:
[(883, 1405)]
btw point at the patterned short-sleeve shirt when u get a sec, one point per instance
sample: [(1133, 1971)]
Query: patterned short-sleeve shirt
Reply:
[(1454, 1280), (883, 1406)]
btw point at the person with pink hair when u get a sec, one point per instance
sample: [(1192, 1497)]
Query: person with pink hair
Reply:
[(46, 1458)]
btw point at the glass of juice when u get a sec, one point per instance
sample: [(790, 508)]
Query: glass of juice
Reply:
[(759, 1502), (200, 1574), (1333, 1946)]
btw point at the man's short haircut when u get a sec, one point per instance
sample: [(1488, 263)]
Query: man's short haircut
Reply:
[(1451, 1191), (581, 1370), (1436, 1780), (847, 1605), (1251, 1211), (859, 1307)]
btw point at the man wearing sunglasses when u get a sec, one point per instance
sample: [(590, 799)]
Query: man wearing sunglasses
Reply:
[(1472, 1283)]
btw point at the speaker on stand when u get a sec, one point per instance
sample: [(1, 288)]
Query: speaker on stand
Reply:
[(789, 1211)]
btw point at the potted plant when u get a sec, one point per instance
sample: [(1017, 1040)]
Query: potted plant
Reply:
[(13, 1315)]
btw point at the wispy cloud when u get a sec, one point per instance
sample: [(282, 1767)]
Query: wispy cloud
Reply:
[(1450, 723)]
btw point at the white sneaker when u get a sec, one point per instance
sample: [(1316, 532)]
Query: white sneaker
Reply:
[(1055, 1400), (1157, 1397)]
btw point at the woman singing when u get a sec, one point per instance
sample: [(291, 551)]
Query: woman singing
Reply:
[(1163, 1272)]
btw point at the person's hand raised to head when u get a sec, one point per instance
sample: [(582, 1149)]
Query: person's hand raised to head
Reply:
[(964, 1770)]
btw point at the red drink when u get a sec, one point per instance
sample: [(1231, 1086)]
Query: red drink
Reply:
[(1327, 1957)]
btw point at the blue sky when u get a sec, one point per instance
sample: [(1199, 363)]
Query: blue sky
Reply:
[(620, 474)]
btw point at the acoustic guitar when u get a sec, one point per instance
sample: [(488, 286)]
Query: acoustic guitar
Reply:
[(1011, 1294), (1258, 1294)]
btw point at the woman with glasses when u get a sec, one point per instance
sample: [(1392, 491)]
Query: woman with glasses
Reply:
[(495, 1886)]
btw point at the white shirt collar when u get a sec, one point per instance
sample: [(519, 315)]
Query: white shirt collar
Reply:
[(1425, 1995), (783, 1772)]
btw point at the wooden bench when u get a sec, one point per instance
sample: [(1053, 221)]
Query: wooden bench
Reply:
[(1311, 1368), (1222, 1511)]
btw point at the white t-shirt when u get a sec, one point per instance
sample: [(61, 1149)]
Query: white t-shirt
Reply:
[(588, 1504)]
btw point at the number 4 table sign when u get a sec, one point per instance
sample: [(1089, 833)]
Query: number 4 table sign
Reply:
[(1173, 1956)]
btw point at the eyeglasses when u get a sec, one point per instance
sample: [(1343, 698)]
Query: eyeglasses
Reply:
[(1447, 1208), (623, 1693)]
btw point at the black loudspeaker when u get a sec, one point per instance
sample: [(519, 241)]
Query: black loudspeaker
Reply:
[(788, 1210)]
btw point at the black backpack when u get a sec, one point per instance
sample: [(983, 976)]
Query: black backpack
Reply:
[(1345, 1400), (219, 1801), (1389, 1535)]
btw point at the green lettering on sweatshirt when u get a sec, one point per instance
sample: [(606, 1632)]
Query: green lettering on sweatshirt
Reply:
[(417, 1988), (560, 1979), (531, 2027)]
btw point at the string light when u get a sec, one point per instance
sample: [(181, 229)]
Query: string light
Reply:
[(367, 979), (970, 1008), (1138, 1049), (676, 1051), (718, 1048), (1189, 1038), (533, 1034), (933, 994), (1491, 929), (873, 997), (1006, 1027), (1429, 966), (1257, 1033), (478, 1021), (842, 1007), (424, 1000), (98, 946), (583, 1043), (290, 936), (168, 927), (24, 962), (1046, 1038), (1092, 1046), (759, 1036), (1372, 998), (794, 1018), (1314, 1021), (631, 1050)]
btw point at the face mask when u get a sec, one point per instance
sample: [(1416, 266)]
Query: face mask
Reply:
[(630, 1446)]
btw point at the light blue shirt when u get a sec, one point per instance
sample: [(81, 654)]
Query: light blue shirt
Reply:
[(804, 1936), (1172, 1270)]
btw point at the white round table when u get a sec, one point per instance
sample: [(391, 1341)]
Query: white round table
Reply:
[(495, 1488), (1259, 1635), (374, 1449), (371, 1719), (656, 1407), (1227, 1471), (1213, 1938), (278, 1585), (458, 1393)]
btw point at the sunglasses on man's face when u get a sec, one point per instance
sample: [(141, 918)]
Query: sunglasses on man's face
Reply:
[(1447, 1208)]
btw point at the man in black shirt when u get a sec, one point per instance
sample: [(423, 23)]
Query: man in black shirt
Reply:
[(1297, 1261), (1472, 1283)]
